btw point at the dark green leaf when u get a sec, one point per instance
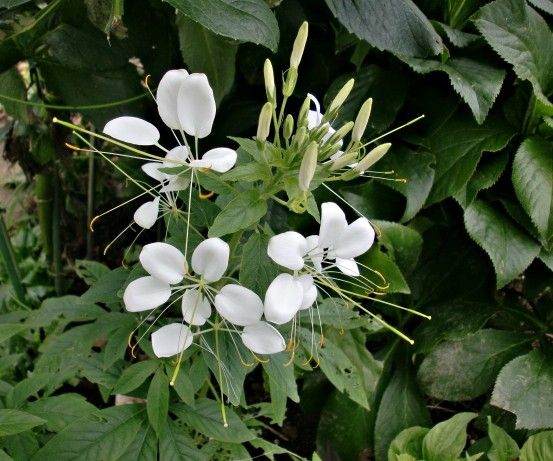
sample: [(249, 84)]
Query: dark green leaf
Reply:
[(135, 375), (523, 388), (403, 244), (447, 439), (60, 410), (544, 5), (510, 249), (64, 310), (504, 448), (466, 368), (281, 375), (241, 212), (477, 83), (457, 37), (176, 445), (143, 447), (533, 183), (393, 278), (382, 23), (538, 447), (157, 403), (409, 442), (90, 271), (12, 85), (245, 20), (15, 421), (7, 330), (523, 39), (105, 289), (257, 270), (203, 51)]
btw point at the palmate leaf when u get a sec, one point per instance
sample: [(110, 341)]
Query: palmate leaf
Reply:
[(397, 26), (245, 20), (509, 248)]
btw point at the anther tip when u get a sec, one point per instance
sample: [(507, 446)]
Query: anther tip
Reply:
[(171, 383), (225, 425)]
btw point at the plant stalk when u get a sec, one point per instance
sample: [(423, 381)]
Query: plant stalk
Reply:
[(6, 250)]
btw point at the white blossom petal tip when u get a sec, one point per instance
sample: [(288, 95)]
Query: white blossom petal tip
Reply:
[(166, 97), (220, 159), (333, 223), (195, 308), (239, 305), (288, 249), (348, 267), (210, 259), (163, 261), (146, 293), (171, 340), (196, 106), (283, 299), (146, 214), (356, 239), (309, 291), (132, 130), (262, 338)]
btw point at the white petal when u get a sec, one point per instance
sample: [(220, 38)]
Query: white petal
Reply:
[(177, 156), (283, 299), (288, 249), (337, 155), (315, 252), (314, 117), (166, 97), (262, 338), (133, 130), (176, 183), (146, 214), (356, 239), (210, 259), (220, 159), (348, 266), (333, 223), (196, 106), (163, 261), (309, 291), (152, 170), (239, 305), (171, 340), (195, 308), (145, 293)]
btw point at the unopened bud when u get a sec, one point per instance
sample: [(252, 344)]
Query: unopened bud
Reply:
[(264, 124), (269, 76), (300, 136), (288, 126), (338, 135), (341, 96), (361, 120), (372, 157), (308, 166), (343, 161), (290, 82), (304, 110), (299, 45)]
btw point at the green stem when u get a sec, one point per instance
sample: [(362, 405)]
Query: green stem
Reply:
[(90, 205), (530, 115), (220, 375), (56, 236), (6, 250), (44, 196)]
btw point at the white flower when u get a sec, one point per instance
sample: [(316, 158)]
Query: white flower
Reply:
[(287, 295), (315, 118), (239, 305), (171, 340), (262, 338)]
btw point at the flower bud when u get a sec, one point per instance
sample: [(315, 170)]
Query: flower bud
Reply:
[(361, 120), (299, 45), (308, 166), (343, 161), (338, 135), (341, 96), (372, 157), (304, 110), (269, 76), (288, 127), (300, 136), (290, 82), (264, 124)]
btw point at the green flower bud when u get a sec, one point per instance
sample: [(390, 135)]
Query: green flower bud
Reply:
[(308, 166), (343, 161), (372, 157), (300, 137), (341, 96), (299, 45), (304, 109), (290, 82), (264, 124), (288, 127), (361, 120), (339, 134), (269, 76)]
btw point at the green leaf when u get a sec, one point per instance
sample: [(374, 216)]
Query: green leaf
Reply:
[(64, 310), (90, 271), (533, 183), (544, 5), (281, 377), (143, 447), (381, 23), (504, 448), (472, 364), (509, 248), (407, 442), (523, 387), (547, 258), (7, 330), (257, 270), (404, 244), (487, 173), (393, 278), (446, 440), (245, 20), (157, 404), (104, 434), (12, 85), (523, 39), (203, 51), (538, 447), (135, 375), (457, 37), (477, 83), (16, 421), (176, 445), (60, 410), (417, 169), (27, 387), (105, 289), (457, 146), (4, 456), (206, 418)]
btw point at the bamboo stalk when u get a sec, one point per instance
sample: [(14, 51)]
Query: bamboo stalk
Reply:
[(56, 238), (44, 199)]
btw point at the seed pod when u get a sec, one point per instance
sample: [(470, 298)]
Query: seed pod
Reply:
[(308, 166), (372, 157), (361, 120)]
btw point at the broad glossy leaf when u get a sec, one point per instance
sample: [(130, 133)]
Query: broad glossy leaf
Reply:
[(477, 83), (104, 434), (203, 51), (257, 270), (447, 439), (397, 26), (157, 403), (15, 421), (533, 183), (472, 364), (241, 212), (523, 39), (245, 20), (523, 388), (457, 146), (538, 447), (504, 448), (509, 248)]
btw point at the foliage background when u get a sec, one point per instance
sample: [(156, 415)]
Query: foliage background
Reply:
[(468, 239)]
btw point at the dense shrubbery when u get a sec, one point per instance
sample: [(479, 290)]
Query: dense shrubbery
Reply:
[(466, 239)]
